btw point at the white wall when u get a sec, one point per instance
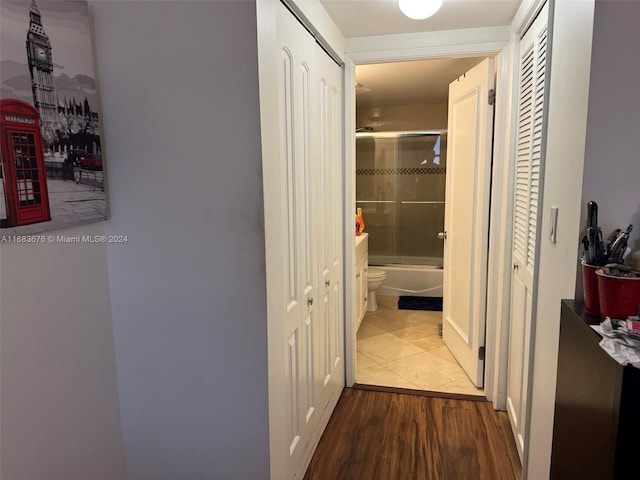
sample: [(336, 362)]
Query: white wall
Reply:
[(612, 160), (179, 85), (58, 397), (404, 117), (568, 98)]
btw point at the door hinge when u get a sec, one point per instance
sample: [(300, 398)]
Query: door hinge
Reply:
[(492, 97), (481, 353)]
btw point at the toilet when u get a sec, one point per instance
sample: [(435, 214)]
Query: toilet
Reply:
[(375, 280)]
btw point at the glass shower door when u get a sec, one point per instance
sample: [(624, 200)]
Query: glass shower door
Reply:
[(400, 185)]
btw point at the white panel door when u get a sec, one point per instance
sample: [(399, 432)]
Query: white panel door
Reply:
[(300, 313), (308, 246), (467, 217), (329, 84), (530, 126)]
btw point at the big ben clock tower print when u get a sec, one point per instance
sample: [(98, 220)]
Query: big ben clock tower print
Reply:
[(40, 64), (51, 163)]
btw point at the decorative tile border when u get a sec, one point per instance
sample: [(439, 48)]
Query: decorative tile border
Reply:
[(402, 171)]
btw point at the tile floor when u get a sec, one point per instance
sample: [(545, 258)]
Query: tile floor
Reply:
[(402, 348)]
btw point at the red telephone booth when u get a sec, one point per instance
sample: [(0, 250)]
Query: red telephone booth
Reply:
[(24, 174)]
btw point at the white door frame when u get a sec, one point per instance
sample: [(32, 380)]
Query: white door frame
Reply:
[(462, 43), (503, 42), (501, 233)]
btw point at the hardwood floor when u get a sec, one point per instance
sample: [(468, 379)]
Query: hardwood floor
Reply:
[(390, 436)]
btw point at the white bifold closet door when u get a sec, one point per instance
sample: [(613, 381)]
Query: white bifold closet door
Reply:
[(304, 246), (527, 195)]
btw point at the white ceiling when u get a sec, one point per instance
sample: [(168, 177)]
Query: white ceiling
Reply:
[(407, 83), (425, 81), (362, 18)]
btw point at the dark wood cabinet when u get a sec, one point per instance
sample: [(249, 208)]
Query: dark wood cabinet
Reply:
[(596, 423)]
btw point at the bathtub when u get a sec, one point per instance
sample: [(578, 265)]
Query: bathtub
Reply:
[(418, 280)]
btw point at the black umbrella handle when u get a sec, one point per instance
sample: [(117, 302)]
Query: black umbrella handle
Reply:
[(592, 214)]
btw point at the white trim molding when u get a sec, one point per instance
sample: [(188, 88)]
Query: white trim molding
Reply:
[(411, 46), (525, 15), (321, 25), (495, 41), (501, 230), (349, 192)]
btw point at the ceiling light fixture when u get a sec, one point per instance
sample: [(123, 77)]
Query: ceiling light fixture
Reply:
[(419, 9)]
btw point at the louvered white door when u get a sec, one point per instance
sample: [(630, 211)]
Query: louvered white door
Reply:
[(304, 254), (529, 157)]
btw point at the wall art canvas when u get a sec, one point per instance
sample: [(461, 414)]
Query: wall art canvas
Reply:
[(52, 164)]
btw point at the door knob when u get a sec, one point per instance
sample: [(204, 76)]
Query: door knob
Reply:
[(442, 235), (310, 301)]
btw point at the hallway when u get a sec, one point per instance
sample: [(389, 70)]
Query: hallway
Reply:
[(379, 435)]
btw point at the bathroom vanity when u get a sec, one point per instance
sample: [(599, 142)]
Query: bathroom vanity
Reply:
[(362, 260)]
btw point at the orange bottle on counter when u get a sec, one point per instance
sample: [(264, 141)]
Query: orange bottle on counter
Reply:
[(360, 221)]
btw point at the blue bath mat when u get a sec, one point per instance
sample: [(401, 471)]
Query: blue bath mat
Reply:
[(408, 302)]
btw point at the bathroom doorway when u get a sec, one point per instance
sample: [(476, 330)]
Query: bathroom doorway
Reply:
[(401, 120)]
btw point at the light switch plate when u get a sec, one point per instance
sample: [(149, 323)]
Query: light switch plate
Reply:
[(554, 225)]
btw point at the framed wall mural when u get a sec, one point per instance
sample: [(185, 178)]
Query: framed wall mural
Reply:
[(52, 173)]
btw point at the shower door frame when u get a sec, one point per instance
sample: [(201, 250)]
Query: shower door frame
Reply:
[(398, 136)]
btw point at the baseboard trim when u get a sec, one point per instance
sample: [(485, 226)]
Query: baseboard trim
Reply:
[(423, 393)]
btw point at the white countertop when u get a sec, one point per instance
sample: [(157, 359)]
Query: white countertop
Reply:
[(362, 246), (360, 238)]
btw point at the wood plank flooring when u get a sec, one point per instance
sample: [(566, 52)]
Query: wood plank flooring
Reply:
[(390, 436)]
